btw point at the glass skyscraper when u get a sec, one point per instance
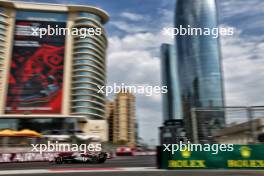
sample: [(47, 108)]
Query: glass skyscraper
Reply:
[(199, 65), (171, 100)]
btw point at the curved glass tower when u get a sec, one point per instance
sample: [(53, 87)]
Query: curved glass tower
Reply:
[(199, 62), (3, 26), (89, 68), (171, 100)]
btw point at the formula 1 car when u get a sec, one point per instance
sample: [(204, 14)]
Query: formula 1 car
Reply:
[(70, 157)]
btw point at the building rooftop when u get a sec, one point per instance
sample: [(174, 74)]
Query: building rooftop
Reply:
[(56, 7)]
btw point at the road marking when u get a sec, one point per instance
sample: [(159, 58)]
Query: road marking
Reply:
[(23, 172), (76, 170), (85, 169)]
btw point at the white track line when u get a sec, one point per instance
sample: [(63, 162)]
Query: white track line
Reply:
[(78, 170)]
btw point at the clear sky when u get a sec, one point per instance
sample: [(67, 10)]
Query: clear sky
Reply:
[(135, 35)]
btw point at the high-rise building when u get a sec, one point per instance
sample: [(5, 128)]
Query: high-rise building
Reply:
[(199, 65), (121, 119), (169, 69), (173, 127), (110, 119), (54, 77)]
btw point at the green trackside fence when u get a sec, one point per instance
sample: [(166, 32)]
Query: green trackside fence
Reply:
[(242, 157)]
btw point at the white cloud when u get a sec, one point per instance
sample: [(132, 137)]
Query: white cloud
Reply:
[(132, 16), (139, 41), (243, 70), (229, 10), (166, 17), (137, 23), (127, 27)]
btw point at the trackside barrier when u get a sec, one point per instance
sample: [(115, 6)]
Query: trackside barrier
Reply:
[(26, 157), (33, 156), (144, 153), (242, 157)]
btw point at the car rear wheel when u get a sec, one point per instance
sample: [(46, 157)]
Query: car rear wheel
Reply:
[(102, 160), (58, 160)]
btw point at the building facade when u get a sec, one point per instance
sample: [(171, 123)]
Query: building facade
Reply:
[(122, 119), (110, 119), (241, 133), (199, 63), (57, 74)]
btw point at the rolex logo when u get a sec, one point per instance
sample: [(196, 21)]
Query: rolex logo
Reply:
[(245, 152), (186, 154)]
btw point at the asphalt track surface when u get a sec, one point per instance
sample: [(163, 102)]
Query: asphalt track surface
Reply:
[(120, 166)]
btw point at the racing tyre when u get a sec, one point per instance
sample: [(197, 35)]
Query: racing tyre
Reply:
[(58, 160)]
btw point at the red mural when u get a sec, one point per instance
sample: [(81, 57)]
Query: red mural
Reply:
[(36, 76)]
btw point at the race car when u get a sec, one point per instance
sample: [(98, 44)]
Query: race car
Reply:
[(125, 151), (70, 157)]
